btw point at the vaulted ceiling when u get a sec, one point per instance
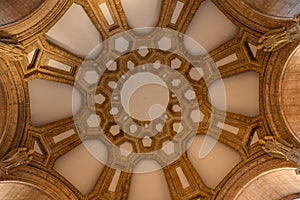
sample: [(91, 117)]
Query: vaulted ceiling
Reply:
[(245, 95)]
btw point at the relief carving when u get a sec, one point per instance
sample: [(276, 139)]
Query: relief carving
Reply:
[(278, 38), (10, 48), (15, 158), (280, 148)]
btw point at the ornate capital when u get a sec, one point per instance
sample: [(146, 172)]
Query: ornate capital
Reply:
[(278, 147), (276, 39), (10, 48), (17, 157)]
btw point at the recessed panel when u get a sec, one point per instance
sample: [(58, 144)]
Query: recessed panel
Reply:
[(275, 184), (241, 94), (75, 32), (63, 136), (228, 59), (80, 168), (58, 65), (177, 11), (103, 7), (210, 28), (142, 13), (148, 186), (216, 165), (51, 101)]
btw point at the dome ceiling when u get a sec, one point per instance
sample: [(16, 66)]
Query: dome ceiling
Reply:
[(13, 11), (8, 191), (274, 8), (265, 186), (289, 96), (222, 100)]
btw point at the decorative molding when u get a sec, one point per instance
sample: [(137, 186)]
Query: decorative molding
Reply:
[(243, 15), (273, 120), (14, 113), (43, 179), (246, 173), (31, 32)]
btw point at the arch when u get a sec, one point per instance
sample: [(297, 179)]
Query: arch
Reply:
[(271, 94), (289, 94), (38, 20), (26, 191), (241, 12), (275, 9), (249, 171), (269, 185), (42, 180), (16, 10), (291, 197), (12, 105)]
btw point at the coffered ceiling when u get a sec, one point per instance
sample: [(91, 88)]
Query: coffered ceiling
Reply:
[(59, 36)]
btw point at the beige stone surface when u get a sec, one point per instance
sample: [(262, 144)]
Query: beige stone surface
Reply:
[(235, 53)]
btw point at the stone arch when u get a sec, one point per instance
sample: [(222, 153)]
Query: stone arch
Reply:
[(248, 172), (289, 90), (15, 10), (26, 191), (43, 181), (12, 106), (275, 9), (253, 19), (272, 92)]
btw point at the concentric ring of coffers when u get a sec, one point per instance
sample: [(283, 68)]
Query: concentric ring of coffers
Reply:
[(103, 117)]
